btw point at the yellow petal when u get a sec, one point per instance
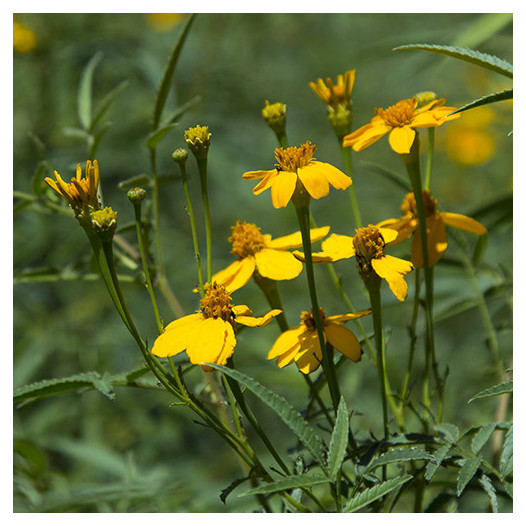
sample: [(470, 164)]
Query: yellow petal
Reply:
[(338, 247), (336, 178), (237, 274), (389, 234), (344, 340), (228, 348), (436, 242), (308, 359), (177, 335), (265, 183), (286, 341), (288, 357), (294, 240), (213, 340), (341, 318), (464, 223), (241, 310), (257, 174), (317, 257), (251, 321), (392, 270), (401, 139), (314, 180), (405, 226), (283, 186), (277, 265), (366, 135)]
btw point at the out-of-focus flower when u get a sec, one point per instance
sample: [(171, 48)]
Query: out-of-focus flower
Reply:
[(163, 21), (276, 116), (24, 39), (208, 335), (257, 252), (296, 165), (436, 222), (302, 346)]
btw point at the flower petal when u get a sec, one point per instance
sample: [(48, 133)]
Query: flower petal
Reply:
[(257, 174), (344, 340), (277, 264), (405, 226), (177, 335), (251, 321), (338, 247), (228, 348), (294, 240), (283, 186), (212, 341), (341, 318), (286, 341), (464, 223), (288, 357), (392, 270), (436, 242), (265, 183), (241, 310), (313, 178), (401, 139), (308, 359), (336, 178), (366, 135), (237, 274)]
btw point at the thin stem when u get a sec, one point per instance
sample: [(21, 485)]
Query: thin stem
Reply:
[(202, 166), (430, 156), (346, 152)]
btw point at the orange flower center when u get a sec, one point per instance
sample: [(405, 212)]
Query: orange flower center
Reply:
[(401, 114), (409, 204), (308, 320), (216, 302), (246, 239), (368, 243), (290, 159)]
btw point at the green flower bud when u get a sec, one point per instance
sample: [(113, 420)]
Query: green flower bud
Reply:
[(136, 195), (180, 156), (198, 140), (275, 115)]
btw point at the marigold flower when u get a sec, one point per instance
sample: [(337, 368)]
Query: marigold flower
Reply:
[(297, 166), (257, 252), (335, 95), (302, 346), (82, 190), (436, 222), (400, 121), (208, 335)]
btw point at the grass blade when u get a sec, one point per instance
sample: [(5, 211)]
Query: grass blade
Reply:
[(84, 101)]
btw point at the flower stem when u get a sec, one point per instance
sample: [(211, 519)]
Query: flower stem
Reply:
[(202, 167), (430, 156), (346, 153), (270, 290)]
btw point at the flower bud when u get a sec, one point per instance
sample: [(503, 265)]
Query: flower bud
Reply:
[(275, 115), (136, 195), (104, 223), (198, 140), (180, 156)]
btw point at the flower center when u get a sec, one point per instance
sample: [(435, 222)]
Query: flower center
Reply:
[(308, 319), (294, 157), (246, 239), (368, 243), (216, 302), (409, 204), (398, 115)]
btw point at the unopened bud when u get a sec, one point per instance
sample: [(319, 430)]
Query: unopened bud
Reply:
[(198, 140), (104, 223), (180, 156), (136, 195), (275, 115)]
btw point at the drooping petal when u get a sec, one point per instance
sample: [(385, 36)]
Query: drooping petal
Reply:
[(392, 270), (314, 180), (265, 183), (177, 335), (237, 274), (283, 186), (241, 310), (317, 257), (464, 223), (366, 135), (211, 341), (251, 321), (336, 178), (308, 359), (341, 318), (294, 240), (436, 242), (338, 247), (342, 339), (405, 226), (228, 348), (288, 357), (286, 341), (401, 139), (257, 174), (277, 264)]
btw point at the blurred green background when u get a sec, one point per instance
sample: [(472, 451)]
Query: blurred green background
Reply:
[(84, 452)]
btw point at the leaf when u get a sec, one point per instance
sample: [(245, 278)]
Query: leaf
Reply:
[(486, 484), (164, 87), (106, 103), (292, 418), (136, 180), (484, 27), (498, 96), (507, 453), (482, 437), (371, 494), (449, 431), (440, 455), (179, 112), (231, 487), (478, 58), (466, 473), (339, 440), (401, 455), (154, 137), (496, 390), (84, 101), (395, 177), (294, 481)]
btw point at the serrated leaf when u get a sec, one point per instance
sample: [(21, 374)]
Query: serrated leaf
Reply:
[(482, 437), (371, 494), (440, 455), (231, 487), (136, 180), (496, 390), (292, 418), (466, 473), (339, 440), (486, 484), (498, 96), (401, 455), (292, 482), (469, 55), (507, 453), (154, 137), (84, 101), (449, 431)]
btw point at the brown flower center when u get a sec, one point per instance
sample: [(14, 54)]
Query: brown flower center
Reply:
[(216, 302), (308, 319), (294, 157), (246, 239), (400, 114), (409, 204)]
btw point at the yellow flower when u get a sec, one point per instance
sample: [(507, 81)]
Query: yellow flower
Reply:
[(258, 252), (368, 245), (163, 21), (335, 95), (82, 190), (400, 121), (208, 335), (296, 166), (24, 39), (435, 226), (302, 346)]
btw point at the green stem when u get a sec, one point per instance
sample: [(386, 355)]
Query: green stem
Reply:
[(346, 152), (430, 156), (270, 290), (202, 167)]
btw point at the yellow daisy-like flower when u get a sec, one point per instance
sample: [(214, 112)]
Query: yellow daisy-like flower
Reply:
[(338, 94), (436, 222), (302, 346), (208, 335), (24, 39), (400, 121), (368, 245), (82, 190), (297, 166), (259, 252)]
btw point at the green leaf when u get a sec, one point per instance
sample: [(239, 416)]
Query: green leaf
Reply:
[(449, 431), (164, 87), (496, 390), (179, 112), (292, 482), (466, 473), (498, 96), (398, 179), (339, 440), (136, 180), (292, 418), (440, 455), (482, 437), (401, 455), (371, 494), (507, 453), (483, 60), (84, 100), (106, 103), (483, 27), (154, 137), (486, 484)]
